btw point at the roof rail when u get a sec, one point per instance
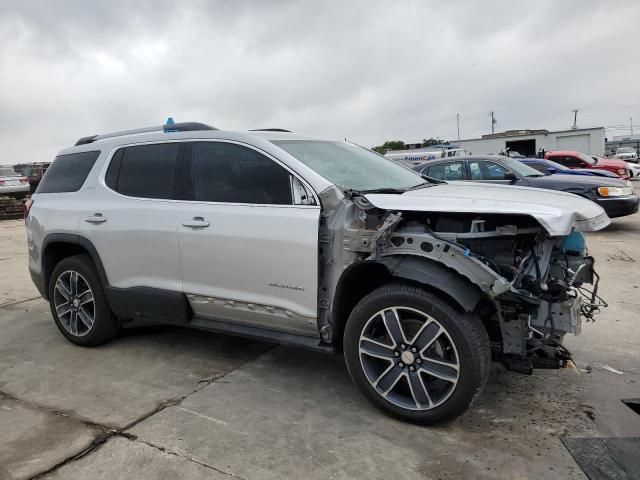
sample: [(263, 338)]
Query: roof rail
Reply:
[(270, 130), (176, 127)]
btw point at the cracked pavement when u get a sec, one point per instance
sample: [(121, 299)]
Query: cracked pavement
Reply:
[(165, 402)]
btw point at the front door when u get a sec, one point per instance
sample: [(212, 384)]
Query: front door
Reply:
[(248, 254)]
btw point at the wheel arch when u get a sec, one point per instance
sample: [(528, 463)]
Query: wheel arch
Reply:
[(58, 246), (360, 278)]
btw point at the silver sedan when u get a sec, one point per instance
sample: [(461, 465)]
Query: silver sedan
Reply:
[(13, 184)]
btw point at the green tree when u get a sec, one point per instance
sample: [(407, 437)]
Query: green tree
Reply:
[(390, 145)]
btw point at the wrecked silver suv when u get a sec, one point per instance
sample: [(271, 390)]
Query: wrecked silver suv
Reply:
[(322, 244)]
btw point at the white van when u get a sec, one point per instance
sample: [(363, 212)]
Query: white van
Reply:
[(415, 157)]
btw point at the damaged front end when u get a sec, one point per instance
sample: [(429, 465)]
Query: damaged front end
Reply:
[(535, 288), (530, 289)]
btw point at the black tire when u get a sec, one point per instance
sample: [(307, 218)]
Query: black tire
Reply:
[(471, 350), (104, 326)]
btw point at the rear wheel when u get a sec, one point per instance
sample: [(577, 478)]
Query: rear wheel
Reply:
[(78, 303), (414, 356)]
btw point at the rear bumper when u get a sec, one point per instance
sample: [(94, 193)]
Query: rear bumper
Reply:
[(38, 281), (619, 207), (14, 189)]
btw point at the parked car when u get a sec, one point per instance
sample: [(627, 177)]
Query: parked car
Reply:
[(574, 159), (628, 154), (634, 170), (613, 194), (549, 168), (33, 171), (313, 243), (12, 184)]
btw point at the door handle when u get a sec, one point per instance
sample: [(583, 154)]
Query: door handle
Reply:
[(96, 218), (196, 222)]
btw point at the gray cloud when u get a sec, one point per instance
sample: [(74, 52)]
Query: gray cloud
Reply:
[(368, 71)]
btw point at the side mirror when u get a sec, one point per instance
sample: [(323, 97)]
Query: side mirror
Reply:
[(510, 176), (551, 170)]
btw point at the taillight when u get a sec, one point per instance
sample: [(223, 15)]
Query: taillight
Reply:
[(2, 182), (24, 180), (28, 203)]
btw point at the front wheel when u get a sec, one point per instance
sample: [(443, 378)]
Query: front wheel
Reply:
[(414, 356)]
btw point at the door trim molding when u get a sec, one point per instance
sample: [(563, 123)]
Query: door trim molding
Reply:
[(253, 314)]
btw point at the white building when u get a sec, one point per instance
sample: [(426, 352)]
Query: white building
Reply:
[(529, 142)]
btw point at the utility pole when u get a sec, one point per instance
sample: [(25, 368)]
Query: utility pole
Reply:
[(630, 126), (575, 118), (494, 122), (458, 123)]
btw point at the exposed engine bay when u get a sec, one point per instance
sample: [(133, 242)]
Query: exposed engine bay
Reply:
[(528, 288)]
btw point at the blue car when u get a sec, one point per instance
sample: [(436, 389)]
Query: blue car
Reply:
[(549, 168)]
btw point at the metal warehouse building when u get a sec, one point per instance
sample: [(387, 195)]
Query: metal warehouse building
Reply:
[(529, 142)]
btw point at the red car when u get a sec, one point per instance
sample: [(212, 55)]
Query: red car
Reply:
[(574, 159)]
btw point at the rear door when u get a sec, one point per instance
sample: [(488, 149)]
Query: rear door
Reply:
[(132, 218), (248, 250)]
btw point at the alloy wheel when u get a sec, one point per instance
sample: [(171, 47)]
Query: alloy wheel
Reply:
[(74, 303), (409, 358)]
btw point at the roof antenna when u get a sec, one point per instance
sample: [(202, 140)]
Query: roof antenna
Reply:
[(167, 126)]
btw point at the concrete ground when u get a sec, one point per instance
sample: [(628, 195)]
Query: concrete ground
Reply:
[(172, 403)]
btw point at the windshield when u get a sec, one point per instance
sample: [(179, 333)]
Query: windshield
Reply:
[(350, 166), (585, 158), (520, 168), (626, 150)]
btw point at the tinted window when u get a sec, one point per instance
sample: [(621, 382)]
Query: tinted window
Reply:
[(67, 173), (570, 162), (145, 171), (482, 170), (539, 166), (447, 171), (225, 172)]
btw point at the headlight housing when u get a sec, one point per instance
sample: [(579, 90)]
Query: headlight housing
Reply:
[(614, 191), (622, 171)]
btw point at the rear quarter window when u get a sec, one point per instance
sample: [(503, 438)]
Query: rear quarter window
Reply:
[(67, 173)]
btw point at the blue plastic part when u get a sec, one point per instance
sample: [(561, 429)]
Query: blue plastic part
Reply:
[(167, 126), (467, 252), (575, 242)]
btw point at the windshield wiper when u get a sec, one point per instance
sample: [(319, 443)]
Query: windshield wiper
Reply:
[(351, 192), (430, 181)]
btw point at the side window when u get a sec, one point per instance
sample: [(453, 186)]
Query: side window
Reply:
[(482, 170), (67, 173), (539, 166), (570, 162), (447, 171), (144, 171), (230, 173)]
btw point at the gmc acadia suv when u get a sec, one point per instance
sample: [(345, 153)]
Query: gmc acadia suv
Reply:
[(315, 243)]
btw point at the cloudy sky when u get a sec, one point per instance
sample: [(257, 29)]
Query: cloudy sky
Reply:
[(365, 70)]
